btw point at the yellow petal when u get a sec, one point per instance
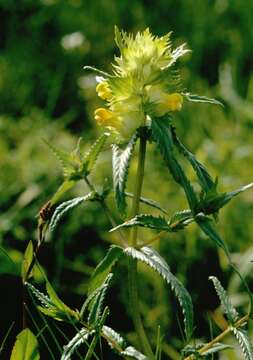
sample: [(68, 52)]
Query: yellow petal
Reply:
[(104, 91)]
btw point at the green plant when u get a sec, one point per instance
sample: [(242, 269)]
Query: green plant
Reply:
[(141, 96)]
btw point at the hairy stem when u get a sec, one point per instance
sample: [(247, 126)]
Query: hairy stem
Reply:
[(218, 338), (132, 263)]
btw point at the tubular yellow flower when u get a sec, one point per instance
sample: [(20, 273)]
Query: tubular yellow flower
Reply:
[(107, 118), (104, 91), (170, 102)]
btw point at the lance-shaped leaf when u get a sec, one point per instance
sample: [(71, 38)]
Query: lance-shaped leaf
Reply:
[(149, 202), (26, 347), (117, 343), (204, 177), (213, 201), (81, 337), (207, 226), (201, 99), (66, 206), (65, 186), (104, 268), (244, 342), (96, 307), (217, 347), (120, 165), (51, 305), (70, 162), (163, 137), (155, 261), (148, 221), (27, 262), (91, 156), (226, 304), (177, 222)]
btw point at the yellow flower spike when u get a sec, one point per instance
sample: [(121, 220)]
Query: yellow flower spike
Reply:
[(103, 90)]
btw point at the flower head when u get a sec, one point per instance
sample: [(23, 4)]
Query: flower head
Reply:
[(143, 83)]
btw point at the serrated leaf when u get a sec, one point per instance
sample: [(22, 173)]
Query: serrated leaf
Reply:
[(113, 337), (27, 261), (226, 304), (149, 202), (157, 263), (163, 137), (91, 156), (201, 99), (207, 226), (180, 219), (147, 221), (104, 268), (244, 342), (177, 53), (97, 304), (216, 348), (52, 306), (120, 165), (25, 347), (66, 206), (80, 338), (68, 163), (214, 201), (130, 351), (204, 177)]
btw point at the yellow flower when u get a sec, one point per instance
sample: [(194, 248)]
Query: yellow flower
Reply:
[(103, 90), (107, 118), (142, 84)]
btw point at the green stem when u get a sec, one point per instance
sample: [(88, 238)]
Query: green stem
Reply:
[(132, 264)]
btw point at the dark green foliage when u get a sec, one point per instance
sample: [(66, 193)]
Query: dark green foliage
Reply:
[(81, 337), (104, 268), (162, 135), (155, 261)]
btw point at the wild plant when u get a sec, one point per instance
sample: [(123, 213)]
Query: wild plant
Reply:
[(142, 96)]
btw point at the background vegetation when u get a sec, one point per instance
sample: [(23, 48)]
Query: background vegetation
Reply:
[(45, 94)]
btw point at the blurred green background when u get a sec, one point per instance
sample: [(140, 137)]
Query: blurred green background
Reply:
[(46, 95)]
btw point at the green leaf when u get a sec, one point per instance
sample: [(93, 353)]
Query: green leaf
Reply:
[(97, 304), (104, 268), (216, 348), (180, 220), (207, 226), (91, 156), (213, 201), (52, 306), (25, 347), (202, 99), (113, 337), (148, 221), (120, 165), (156, 262), (204, 177), (80, 338), (65, 186), (27, 261), (130, 351), (245, 343), (163, 137), (148, 202), (69, 162), (226, 304), (66, 206)]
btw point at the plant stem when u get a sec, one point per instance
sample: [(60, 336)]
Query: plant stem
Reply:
[(218, 338), (132, 263)]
